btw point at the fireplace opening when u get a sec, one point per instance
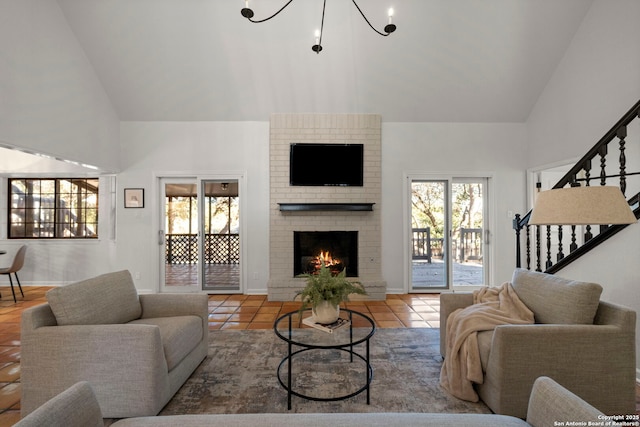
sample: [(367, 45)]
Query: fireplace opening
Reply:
[(338, 249)]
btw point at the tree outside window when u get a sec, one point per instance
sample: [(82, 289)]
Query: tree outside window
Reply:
[(53, 208)]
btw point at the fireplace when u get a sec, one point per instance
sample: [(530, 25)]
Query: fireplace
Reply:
[(338, 249), (326, 208)]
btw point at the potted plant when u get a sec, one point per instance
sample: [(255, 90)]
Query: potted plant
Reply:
[(324, 292)]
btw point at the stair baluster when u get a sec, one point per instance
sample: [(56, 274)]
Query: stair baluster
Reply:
[(582, 172)]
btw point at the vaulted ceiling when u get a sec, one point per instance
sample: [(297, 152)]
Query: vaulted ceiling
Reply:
[(448, 61)]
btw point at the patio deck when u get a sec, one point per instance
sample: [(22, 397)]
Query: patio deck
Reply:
[(432, 275), (227, 276), (218, 277)]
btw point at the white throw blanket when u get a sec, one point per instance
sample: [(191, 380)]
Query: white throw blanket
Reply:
[(492, 307)]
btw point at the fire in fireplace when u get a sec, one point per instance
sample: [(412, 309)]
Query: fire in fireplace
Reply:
[(338, 250)]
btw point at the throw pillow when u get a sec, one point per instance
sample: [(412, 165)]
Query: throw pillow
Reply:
[(556, 300), (107, 299)]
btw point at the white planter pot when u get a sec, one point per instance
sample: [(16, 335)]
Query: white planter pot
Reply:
[(325, 313)]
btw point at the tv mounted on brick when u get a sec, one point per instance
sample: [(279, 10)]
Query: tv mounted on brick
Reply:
[(312, 164)]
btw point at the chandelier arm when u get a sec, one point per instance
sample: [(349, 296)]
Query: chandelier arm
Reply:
[(272, 16), (324, 5), (367, 21), (317, 48)]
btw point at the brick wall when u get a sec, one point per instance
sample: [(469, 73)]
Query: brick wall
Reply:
[(324, 128)]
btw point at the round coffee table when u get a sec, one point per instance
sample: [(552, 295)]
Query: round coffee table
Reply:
[(357, 333)]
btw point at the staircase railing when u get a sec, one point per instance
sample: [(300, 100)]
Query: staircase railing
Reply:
[(545, 246)]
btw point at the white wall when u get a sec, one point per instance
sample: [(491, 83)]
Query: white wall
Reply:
[(14, 162), (55, 262), (452, 148), (597, 82), (153, 149), (150, 150), (51, 101)]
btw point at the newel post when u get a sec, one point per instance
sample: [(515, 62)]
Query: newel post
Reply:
[(517, 227)]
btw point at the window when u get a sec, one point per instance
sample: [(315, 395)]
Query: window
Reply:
[(53, 208)]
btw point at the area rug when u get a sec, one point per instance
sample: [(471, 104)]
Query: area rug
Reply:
[(239, 376)]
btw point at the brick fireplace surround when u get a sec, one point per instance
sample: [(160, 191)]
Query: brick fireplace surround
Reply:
[(324, 128)]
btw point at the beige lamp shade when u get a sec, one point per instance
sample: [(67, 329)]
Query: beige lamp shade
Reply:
[(582, 206)]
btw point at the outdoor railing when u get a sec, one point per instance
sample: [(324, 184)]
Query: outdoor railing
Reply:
[(218, 249), (467, 247)]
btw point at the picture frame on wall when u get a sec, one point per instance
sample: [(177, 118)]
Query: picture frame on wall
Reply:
[(134, 197)]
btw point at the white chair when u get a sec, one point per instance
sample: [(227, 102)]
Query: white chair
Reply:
[(18, 262)]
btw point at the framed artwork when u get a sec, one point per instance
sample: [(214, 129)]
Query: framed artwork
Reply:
[(134, 197)]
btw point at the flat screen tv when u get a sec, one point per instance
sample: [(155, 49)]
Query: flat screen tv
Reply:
[(313, 164)]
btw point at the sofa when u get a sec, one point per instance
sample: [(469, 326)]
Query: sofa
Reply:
[(136, 351), (549, 405), (584, 343)]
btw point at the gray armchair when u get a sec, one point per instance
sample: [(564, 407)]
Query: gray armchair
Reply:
[(585, 344), (135, 351)]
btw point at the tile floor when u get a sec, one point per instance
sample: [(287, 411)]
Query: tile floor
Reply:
[(255, 312), (226, 312)]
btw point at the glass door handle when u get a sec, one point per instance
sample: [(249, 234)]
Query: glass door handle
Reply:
[(160, 237)]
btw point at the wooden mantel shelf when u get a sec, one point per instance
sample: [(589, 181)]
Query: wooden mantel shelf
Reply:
[(367, 207)]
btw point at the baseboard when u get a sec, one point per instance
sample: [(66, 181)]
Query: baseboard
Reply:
[(32, 284), (258, 291)]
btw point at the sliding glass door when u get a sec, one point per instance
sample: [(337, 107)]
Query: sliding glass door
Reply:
[(200, 235), (447, 233), (429, 236), (178, 236), (221, 225)]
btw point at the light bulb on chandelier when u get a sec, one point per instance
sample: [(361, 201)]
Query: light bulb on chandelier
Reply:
[(390, 28), (317, 47)]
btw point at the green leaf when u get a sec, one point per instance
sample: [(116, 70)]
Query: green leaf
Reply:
[(324, 286)]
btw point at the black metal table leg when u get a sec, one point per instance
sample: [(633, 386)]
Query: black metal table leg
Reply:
[(305, 341), (351, 335), (289, 370), (368, 374)]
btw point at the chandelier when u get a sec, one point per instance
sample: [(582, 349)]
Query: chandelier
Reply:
[(317, 47)]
